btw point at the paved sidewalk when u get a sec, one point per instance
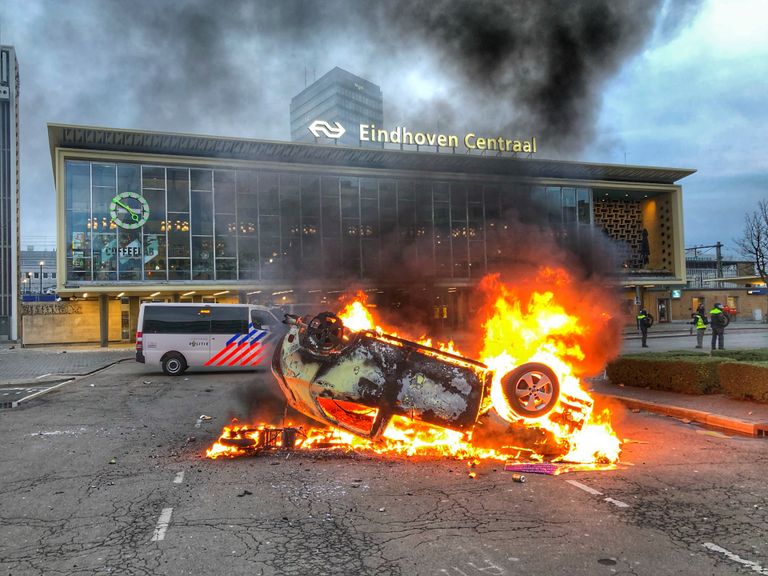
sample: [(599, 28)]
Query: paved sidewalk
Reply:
[(712, 410), (39, 365)]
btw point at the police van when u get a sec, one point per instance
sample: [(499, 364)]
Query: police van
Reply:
[(213, 336)]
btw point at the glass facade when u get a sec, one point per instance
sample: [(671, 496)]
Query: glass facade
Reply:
[(221, 225)]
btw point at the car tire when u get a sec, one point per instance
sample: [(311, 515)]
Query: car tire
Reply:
[(173, 364), (532, 390)]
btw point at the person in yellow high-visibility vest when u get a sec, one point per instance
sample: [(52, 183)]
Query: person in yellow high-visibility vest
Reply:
[(718, 321), (643, 322), (700, 323)]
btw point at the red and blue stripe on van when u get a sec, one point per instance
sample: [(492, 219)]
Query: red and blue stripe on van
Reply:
[(242, 350)]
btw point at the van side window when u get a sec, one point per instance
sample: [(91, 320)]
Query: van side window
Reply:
[(175, 320), (260, 319), (229, 320)]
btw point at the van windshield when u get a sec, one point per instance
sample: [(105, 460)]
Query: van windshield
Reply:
[(261, 318)]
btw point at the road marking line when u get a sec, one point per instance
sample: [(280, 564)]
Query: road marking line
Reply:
[(754, 566), (179, 477), (617, 503), (42, 376), (162, 524), (584, 487)]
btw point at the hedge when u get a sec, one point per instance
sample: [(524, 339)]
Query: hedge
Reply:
[(691, 374), (741, 374), (746, 381)]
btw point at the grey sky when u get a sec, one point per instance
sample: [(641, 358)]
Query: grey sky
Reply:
[(679, 84)]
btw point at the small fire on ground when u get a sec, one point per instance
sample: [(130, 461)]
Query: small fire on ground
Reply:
[(560, 327)]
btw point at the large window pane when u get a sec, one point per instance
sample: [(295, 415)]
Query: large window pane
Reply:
[(129, 254), (156, 200), (153, 177), (154, 257), (201, 180), (178, 190), (128, 178), (104, 174), (178, 235), (78, 186), (224, 191), (202, 213), (202, 258), (269, 194), (105, 257)]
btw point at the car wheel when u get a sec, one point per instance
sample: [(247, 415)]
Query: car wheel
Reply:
[(532, 390), (173, 364)]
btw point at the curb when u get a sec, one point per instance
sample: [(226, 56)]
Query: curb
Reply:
[(746, 427)]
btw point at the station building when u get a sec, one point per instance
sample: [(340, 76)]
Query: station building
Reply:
[(178, 217)]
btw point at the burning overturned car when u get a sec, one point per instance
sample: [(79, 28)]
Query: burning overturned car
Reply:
[(358, 381), (373, 390)]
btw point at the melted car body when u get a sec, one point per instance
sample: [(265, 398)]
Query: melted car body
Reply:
[(359, 380)]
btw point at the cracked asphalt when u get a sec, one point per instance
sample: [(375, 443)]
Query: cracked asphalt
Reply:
[(89, 470)]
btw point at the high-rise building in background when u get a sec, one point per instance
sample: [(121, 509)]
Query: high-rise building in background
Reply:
[(338, 96), (9, 193)]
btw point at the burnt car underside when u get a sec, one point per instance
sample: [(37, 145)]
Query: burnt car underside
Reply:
[(359, 380)]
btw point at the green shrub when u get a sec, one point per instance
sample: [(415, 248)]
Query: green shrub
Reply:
[(757, 355), (687, 373), (746, 381)]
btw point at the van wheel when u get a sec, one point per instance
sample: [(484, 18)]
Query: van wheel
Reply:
[(173, 364)]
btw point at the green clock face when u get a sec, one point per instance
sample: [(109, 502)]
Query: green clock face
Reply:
[(129, 210)]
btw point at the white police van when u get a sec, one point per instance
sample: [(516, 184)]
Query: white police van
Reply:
[(215, 336)]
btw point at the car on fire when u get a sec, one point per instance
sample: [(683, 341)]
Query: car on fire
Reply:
[(359, 380)]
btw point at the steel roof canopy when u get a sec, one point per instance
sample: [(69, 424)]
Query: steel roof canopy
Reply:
[(168, 143)]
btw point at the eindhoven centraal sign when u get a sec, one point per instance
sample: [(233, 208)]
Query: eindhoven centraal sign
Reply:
[(401, 135), (471, 141)]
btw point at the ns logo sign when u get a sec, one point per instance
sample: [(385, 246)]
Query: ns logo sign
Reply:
[(322, 128)]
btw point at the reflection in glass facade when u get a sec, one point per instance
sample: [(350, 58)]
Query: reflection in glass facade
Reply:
[(219, 225)]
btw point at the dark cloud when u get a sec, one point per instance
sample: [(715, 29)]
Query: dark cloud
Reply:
[(231, 68)]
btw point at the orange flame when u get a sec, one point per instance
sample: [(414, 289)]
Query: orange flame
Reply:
[(532, 326)]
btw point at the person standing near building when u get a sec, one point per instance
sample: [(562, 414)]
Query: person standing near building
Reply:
[(700, 324), (643, 322), (718, 320)]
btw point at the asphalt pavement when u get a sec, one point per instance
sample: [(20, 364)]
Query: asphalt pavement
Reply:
[(107, 476)]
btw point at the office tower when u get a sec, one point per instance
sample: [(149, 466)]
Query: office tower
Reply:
[(9, 192), (338, 96)]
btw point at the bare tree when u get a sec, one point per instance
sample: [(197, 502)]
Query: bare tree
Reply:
[(754, 242)]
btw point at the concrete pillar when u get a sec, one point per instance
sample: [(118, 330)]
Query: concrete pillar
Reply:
[(104, 320), (133, 313)]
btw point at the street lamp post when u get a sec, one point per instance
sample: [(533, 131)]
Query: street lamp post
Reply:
[(41, 277)]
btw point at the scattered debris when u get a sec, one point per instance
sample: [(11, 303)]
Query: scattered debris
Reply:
[(554, 468), (245, 493), (517, 477), (147, 381), (113, 461), (382, 509), (635, 410), (204, 417), (472, 475)]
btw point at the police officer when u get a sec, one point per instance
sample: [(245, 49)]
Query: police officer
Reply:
[(718, 320), (700, 323), (643, 321)]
